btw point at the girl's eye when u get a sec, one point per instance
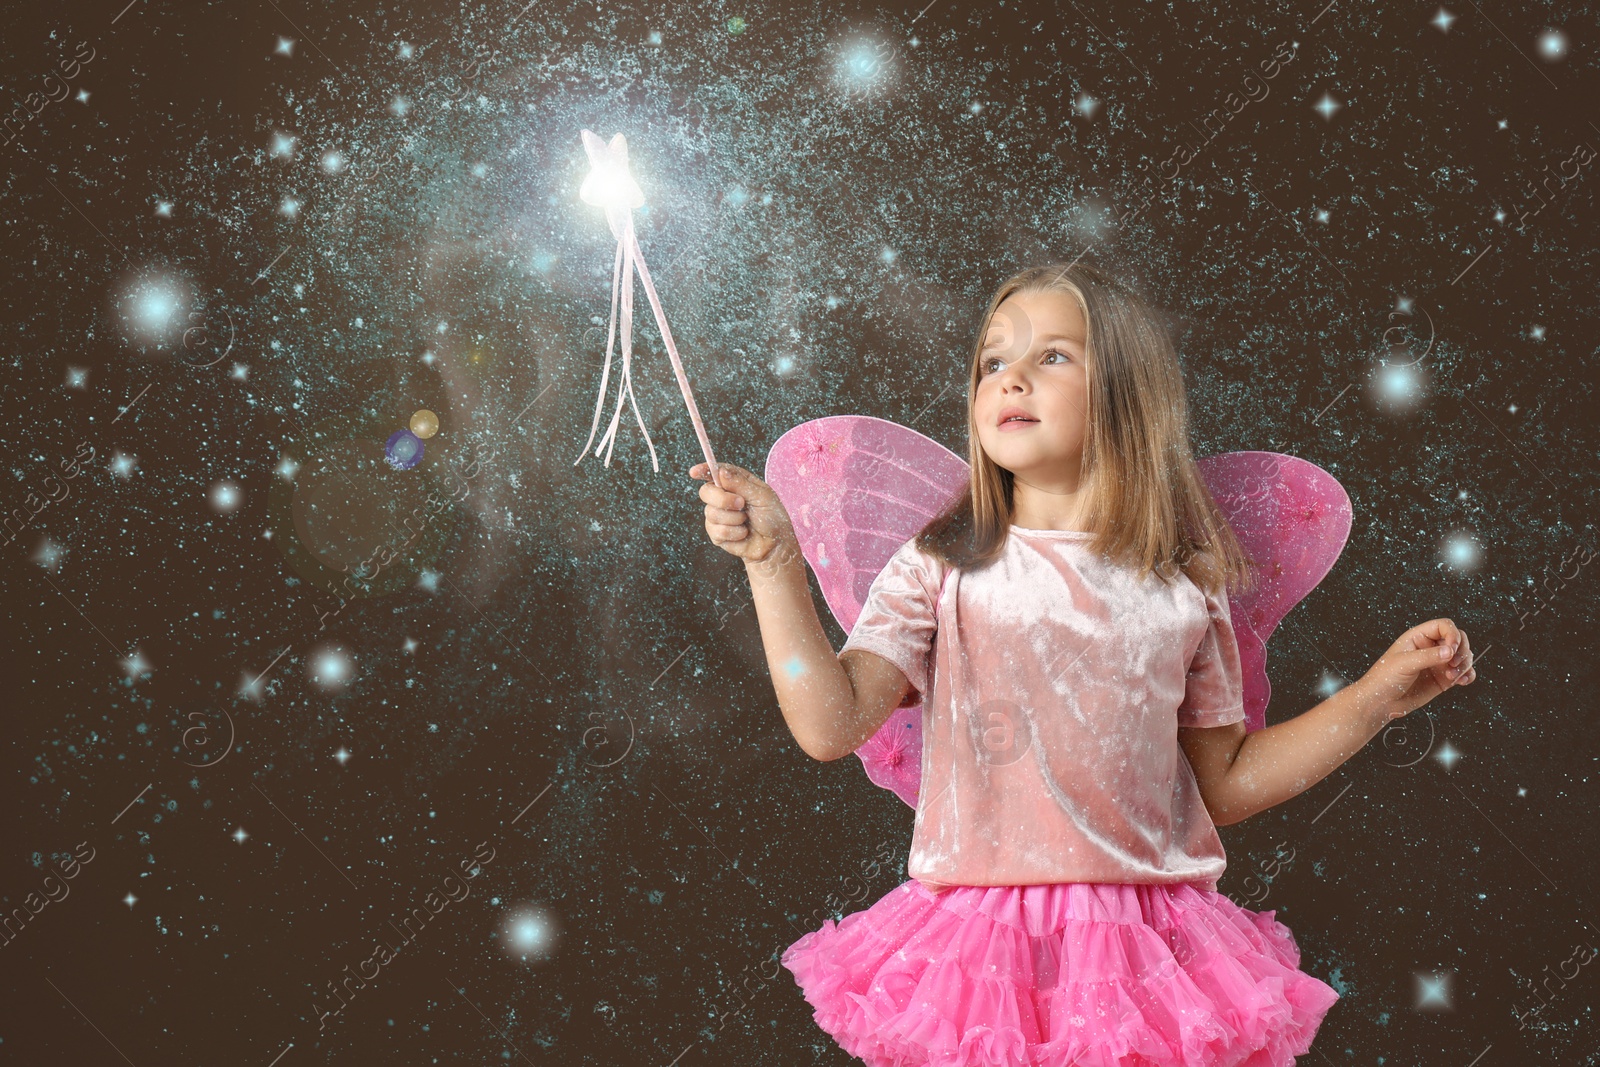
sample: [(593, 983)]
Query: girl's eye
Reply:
[(988, 365)]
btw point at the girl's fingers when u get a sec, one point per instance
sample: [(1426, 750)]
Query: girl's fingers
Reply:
[(733, 478), (1461, 664), (725, 516), (1437, 633), (721, 532), (700, 470), (1461, 669), (721, 497)]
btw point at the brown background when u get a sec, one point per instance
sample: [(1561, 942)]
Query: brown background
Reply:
[(560, 665)]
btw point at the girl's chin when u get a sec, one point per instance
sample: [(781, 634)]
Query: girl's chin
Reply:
[(1029, 463)]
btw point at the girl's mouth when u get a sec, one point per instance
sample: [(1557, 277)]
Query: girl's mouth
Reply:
[(1017, 424)]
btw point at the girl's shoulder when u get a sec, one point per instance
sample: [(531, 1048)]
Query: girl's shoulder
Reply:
[(912, 562), (928, 566)]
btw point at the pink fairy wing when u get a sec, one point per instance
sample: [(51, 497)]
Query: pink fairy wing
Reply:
[(1293, 519), (857, 488)]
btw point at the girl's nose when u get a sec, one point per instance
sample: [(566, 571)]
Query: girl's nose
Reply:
[(1013, 377)]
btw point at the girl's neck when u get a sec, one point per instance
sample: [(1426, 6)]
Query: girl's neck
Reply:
[(1066, 518), (1038, 504)]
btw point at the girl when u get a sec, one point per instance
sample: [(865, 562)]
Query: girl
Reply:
[(1065, 627)]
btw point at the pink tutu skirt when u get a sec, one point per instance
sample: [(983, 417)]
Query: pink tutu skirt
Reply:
[(1085, 974)]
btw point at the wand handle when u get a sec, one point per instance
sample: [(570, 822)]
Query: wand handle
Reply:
[(672, 351)]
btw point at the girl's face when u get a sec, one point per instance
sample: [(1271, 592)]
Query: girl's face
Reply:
[(1034, 361)]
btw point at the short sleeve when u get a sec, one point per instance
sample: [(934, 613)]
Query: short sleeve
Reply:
[(1214, 689), (898, 619)]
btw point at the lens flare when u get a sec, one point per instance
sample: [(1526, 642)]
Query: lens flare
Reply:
[(331, 667), (532, 933)]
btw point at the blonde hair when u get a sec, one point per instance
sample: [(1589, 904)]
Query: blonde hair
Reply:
[(1147, 504)]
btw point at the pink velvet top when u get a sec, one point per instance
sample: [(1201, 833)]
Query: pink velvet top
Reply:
[(1052, 685)]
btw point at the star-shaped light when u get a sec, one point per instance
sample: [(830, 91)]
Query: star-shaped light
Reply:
[(1329, 684), (1433, 990), (1328, 105), (609, 183), (130, 900), (239, 835), (1443, 20), (251, 687), (343, 756), (285, 46)]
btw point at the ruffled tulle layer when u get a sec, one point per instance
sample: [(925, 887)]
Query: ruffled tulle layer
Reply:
[(1083, 974)]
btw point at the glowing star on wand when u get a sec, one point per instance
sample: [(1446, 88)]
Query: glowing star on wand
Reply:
[(610, 186)]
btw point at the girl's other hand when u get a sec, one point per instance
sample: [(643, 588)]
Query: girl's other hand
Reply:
[(1423, 663), (746, 519)]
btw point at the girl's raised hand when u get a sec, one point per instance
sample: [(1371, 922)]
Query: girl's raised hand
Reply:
[(747, 518), (1423, 663)]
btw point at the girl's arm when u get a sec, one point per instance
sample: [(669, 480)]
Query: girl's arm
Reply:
[(1242, 775), (831, 704)]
